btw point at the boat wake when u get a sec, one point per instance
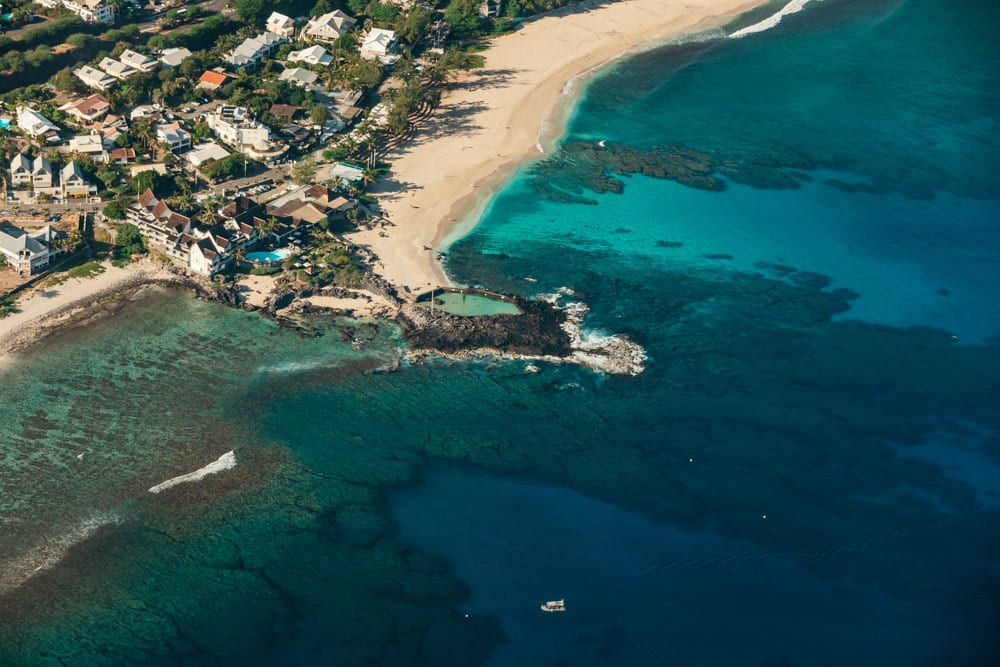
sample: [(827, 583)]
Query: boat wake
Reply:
[(224, 462), (792, 7)]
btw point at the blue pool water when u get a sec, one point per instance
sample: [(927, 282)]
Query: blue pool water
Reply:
[(269, 255)]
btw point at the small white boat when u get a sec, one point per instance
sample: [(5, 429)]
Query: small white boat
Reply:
[(554, 605)]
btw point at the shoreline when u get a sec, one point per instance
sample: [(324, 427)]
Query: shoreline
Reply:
[(494, 120)]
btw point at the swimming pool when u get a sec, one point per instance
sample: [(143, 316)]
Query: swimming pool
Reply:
[(470, 305), (268, 256)]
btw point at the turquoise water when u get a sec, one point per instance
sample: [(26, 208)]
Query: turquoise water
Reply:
[(473, 304), (269, 255), (806, 473)]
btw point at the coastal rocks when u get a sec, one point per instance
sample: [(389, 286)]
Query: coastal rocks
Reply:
[(548, 330), (584, 165), (536, 332)]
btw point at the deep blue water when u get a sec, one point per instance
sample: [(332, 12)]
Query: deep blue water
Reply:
[(807, 473)]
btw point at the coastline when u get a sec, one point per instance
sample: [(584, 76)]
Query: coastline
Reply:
[(493, 120)]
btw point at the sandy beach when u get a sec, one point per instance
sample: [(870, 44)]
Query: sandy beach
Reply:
[(493, 119), (48, 305)]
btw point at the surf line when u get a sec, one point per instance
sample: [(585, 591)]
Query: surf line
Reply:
[(224, 462), (791, 8)]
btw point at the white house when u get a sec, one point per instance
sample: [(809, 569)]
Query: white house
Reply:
[(280, 25), (173, 57), (138, 61), (27, 253), (314, 55), (94, 78), (299, 75), (35, 124), (89, 144), (328, 27), (235, 128), (91, 11), (174, 135), (380, 44), (73, 183), (204, 152), (117, 68), (253, 49), (20, 171), (41, 173)]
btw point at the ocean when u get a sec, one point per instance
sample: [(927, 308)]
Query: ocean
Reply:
[(798, 225)]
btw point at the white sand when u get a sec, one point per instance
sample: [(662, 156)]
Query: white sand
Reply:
[(497, 117), (43, 306), (363, 304)]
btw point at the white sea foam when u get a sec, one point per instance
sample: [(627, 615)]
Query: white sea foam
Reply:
[(291, 367), (791, 8), (15, 572), (224, 462)]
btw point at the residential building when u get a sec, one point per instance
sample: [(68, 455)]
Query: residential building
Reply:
[(27, 253), (248, 54), (173, 57), (159, 225), (173, 135), (490, 9), (280, 25), (73, 183), (299, 75), (36, 125), (121, 155), (41, 173), (151, 111), (89, 144), (138, 61), (314, 55), (234, 127), (110, 129), (91, 11), (205, 152), (212, 80), (117, 68), (89, 109), (94, 77), (329, 27), (380, 44), (284, 111), (20, 171)]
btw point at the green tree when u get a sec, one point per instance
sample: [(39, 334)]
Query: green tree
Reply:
[(115, 209), (128, 242), (410, 25), (304, 171), (463, 17), (250, 11), (318, 114)]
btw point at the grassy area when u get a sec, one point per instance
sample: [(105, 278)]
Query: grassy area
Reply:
[(8, 306), (88, 270)]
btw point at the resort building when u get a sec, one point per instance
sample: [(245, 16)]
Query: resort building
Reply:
[(173, 57), (117, 68), (94, 78), (314, 55), (36, 125), (27, 253), (91, 11), (234, 127), (281, 25), (329, 27), (160, 226), (380, 44), (248, 54), (138, 61), (174, 136), (73, 183), (299, 75), (89, 109)]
